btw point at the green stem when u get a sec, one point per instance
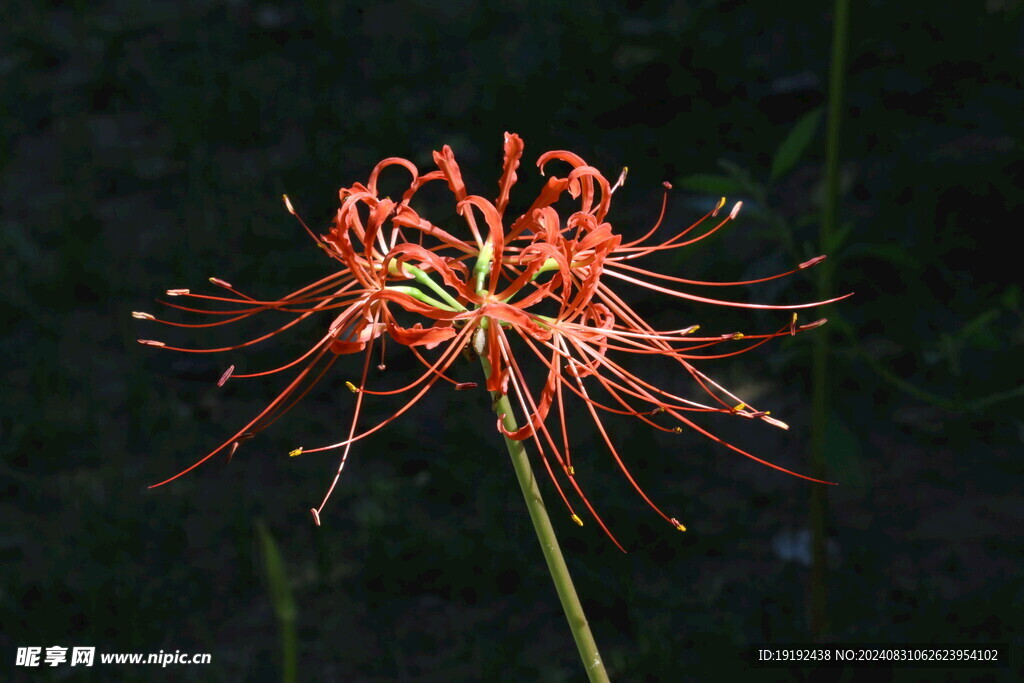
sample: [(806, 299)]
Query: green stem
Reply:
[(289, 652), (548, 542), (425, 279), (419, 295), (829, 219)]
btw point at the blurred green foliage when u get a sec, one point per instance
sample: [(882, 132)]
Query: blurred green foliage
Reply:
[(282, 600)]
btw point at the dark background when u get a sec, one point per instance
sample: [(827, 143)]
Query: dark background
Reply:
[(146, 146)]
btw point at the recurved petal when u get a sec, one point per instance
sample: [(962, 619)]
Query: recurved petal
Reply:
[(445, 161), (561, 155), (492, 217), (417, 335), (408, 218), (413, 306), (552, 190), (576, 161), (390, 161), (513, 153), (537, 417), (517, 317), (358, 337), (340, 348), (589, 174)]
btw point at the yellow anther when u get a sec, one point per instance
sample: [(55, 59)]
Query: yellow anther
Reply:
[(571, 470), (794, 318), (293, 453), (678, 430), (576, 518), (678, 524), (737, 335), (352, 387), (721, 203), (740, 406)]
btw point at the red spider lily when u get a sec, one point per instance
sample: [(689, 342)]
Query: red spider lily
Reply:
[(486, 290)]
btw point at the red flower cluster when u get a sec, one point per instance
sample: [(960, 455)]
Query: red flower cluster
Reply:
[(541, 280)]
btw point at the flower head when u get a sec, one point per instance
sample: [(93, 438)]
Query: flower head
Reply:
[(541, 285)]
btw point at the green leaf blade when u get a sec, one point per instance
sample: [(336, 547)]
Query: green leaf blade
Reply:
[(795, 144)]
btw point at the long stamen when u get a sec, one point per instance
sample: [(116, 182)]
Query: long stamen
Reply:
[(618, 459), (352, 428), (736, 304), (256, 420), (446, 359)]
